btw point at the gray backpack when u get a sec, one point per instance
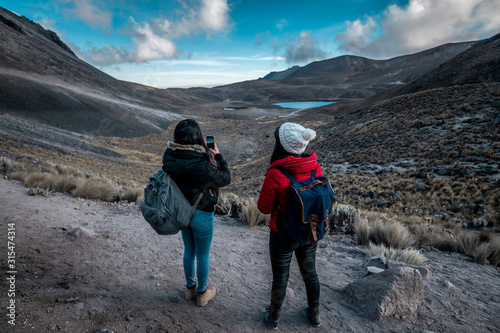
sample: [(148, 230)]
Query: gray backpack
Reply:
[(165, 207)]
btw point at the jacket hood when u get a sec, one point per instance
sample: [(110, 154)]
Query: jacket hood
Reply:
[(176, 146)]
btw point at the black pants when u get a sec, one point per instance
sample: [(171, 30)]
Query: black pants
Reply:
[(281, 257)]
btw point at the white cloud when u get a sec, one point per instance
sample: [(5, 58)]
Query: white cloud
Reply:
[(213, 15), (90, 14), (150, 46), (420, 25), (303, 49), (156, 39)]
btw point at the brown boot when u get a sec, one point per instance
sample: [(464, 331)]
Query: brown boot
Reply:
[(191, 293), (203, 298)]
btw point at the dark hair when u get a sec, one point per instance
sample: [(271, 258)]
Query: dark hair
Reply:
[(279, 152), (188, 132)]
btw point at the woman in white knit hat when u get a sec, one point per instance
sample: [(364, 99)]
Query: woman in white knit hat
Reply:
[(291, 142)]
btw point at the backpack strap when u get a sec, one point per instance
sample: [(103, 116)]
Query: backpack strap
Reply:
[(288, 174)]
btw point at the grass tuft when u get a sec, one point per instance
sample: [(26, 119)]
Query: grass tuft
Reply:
[(8, 166), (409, 256), (251, 215), (362, 232), (391, 234), (466, 243), (100, 189), (132, 194)]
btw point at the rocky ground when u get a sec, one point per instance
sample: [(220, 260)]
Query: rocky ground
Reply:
[(86, 266)]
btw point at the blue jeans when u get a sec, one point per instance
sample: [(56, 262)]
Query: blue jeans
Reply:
[(197, 240)]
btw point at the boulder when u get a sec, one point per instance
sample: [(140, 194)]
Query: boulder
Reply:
[(397, 291), (425, 272), (378, 261)]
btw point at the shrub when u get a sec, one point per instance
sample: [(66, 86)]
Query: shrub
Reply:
[(8, 166), (441, 240), (481, 253), (343, 216), (494, 256), (391, 234), (93, 188), (251, 215), (227, 203), (132, 194), (35, 179), (18, 175), (466, 243), (409, 256), (362, 231), (66, 184)]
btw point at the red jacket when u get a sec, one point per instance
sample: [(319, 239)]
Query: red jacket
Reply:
[(275, 190)]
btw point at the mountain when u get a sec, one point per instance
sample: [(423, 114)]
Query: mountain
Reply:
[(342, 78), (479, 64), (446, 118), (42, 80)]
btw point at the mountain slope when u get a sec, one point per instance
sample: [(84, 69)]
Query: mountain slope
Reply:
[(479, 64), (41, 79), (341, 78)]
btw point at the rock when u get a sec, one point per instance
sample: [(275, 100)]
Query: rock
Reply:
[(455, 208), (439, 214), (378, 203), (477, 223), (448, 285), (426, 273), (479, 208), (33, 191), (394, 292), (422, 187), (443, 172), (81, 232), (378, 261), (13, 219), (374, 270), (422, 174)]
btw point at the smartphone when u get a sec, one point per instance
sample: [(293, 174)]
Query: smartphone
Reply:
[(210, 142)]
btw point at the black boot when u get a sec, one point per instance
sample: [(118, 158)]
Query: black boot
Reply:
[(270, 317), (313, 316)]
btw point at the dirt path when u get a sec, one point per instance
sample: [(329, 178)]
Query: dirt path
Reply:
[(85, 266)]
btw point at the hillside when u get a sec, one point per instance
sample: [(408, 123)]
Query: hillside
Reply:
[(340, 78), (42, 80)]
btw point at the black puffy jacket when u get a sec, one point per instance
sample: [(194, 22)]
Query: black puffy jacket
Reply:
[(190, 168)]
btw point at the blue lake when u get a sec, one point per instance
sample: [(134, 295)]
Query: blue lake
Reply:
[(302, 105)]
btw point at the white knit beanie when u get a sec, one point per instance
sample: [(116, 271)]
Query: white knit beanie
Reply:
[(294, 137)]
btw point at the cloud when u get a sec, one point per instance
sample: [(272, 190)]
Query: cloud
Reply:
[(420, 25), (281, 24), (149, 45), (156, 39), (213, 15), (303, 49), (90, 13)]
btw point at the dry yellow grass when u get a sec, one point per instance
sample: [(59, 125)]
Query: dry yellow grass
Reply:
[(101, 189), (251, 215), (409, 256)]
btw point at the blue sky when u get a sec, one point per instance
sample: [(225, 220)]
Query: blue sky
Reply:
[(185, 43)]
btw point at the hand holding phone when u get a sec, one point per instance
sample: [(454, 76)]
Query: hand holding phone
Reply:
[(210, 142)]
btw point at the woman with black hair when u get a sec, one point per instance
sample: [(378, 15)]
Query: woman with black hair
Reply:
[(290, 144), (196, 169)]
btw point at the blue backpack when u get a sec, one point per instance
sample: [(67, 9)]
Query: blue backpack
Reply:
[(308, 208)]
